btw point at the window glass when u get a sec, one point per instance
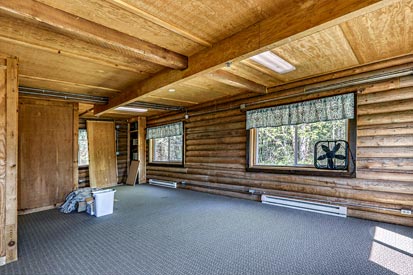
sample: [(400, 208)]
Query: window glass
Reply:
[(294, 145), (168, 149), (83, 154)]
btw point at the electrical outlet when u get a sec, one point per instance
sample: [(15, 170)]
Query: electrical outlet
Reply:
[(406, 211)]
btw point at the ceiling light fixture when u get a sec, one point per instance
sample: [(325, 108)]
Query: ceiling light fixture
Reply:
[(273, 62), (131, 109), (172, 90)]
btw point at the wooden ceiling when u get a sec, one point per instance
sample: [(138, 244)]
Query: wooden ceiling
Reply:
[(136, 50)]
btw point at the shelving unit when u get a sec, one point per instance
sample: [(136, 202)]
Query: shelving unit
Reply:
[(133, 151), (137, 146), (133, 141)]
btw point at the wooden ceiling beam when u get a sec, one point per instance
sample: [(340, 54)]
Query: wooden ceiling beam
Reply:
[(237, 81), (88, 31), (75, 84), (295, 22)]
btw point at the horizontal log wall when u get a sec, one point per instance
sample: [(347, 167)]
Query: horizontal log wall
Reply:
[(121, 129), (215, 158)]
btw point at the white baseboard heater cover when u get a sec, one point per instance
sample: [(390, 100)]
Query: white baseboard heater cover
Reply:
[(322, 208), (164, 183)]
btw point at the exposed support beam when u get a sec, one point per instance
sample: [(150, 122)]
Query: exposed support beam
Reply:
[(45, 40), (96, 60), (88, 31), (159, 22), (41, 79), (8, 159), (237, 81), (173, 99), (294, 23)]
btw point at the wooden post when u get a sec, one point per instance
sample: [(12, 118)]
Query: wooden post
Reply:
[(8, 159), (142, 149)]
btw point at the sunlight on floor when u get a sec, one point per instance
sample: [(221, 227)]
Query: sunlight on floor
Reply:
[(392, 251)]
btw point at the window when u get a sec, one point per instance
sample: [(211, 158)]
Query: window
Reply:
[(293, 145), (166, 144), (83, 154), (168, 149), (282, 138)]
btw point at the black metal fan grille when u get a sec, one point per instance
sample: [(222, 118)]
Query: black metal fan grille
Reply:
[(326, 157)]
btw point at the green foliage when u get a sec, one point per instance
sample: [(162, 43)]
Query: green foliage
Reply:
[(168, 149), (294, 145)]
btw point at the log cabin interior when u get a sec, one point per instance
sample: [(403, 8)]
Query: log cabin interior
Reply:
[(284, 130)]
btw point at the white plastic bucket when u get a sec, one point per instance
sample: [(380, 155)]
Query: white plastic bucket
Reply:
[(104, 202)]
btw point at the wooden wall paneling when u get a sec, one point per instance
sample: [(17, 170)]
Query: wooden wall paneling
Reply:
[(384, 157), (46, 152), (142, 149), (102, 153)]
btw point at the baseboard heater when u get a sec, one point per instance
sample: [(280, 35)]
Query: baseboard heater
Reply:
[(164, 183), (322, 208)]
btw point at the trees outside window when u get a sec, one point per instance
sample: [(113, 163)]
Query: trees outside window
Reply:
[(167, 149), (293, 145)]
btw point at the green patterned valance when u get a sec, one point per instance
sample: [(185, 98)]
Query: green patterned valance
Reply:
[(168, 130), (323, 109)]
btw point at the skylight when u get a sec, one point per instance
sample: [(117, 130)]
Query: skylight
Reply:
[(273, 62)]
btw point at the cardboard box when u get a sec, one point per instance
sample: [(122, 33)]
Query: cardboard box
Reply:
[(81, 206)]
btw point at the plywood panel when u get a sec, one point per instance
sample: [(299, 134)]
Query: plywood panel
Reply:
[(102, 153), (46, 142), (133, 173), (320, 53), (382, 34)]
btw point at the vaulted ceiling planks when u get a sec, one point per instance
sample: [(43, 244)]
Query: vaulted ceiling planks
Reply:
[(271, 32)]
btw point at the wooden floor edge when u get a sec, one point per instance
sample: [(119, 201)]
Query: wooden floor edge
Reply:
[(39, 209)]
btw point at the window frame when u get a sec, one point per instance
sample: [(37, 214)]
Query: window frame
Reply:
[(251, 157), (78, 149), (151, 146)]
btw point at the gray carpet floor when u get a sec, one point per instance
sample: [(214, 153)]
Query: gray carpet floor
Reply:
[(156, 230)]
